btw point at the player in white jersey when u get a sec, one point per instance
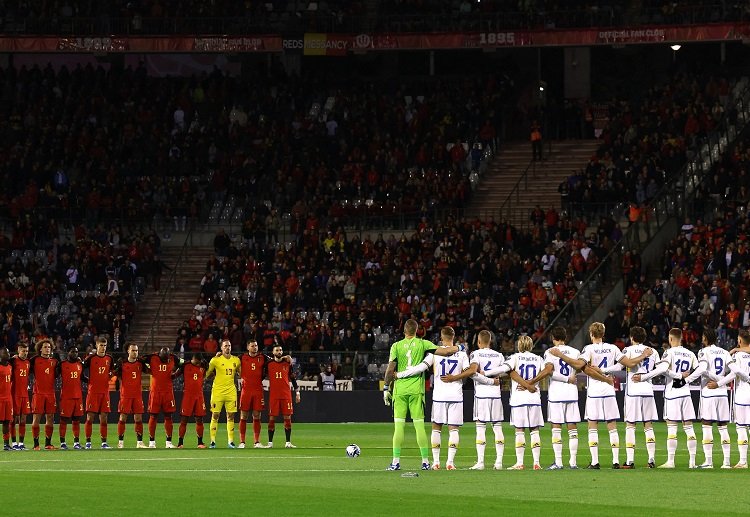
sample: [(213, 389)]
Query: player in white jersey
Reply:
[(714, 404), (640, 406), (739, 371), (601, 404), (678, 404), (447, 397), (488, 406), (562, 398), (525, 401)]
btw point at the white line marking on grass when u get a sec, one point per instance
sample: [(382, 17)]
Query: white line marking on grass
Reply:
[(120, 471), (113, 457)]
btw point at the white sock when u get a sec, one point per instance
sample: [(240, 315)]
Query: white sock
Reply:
[(573, 446), (614, 442), (650, 443), (481, 441), (708, 444), (726, 443), (692, 442), (671, 442), (742, 442), (629, 443), (520, 446), (557, 445), (497, 428), (536, 446), (452, 445), (435, 438), (594, 445)]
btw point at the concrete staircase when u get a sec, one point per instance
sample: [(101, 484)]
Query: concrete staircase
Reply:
[(539, 186), (179, 299)]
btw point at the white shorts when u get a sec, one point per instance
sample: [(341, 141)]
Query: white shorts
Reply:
[(741, 414), (714, 409), (450, 413), (488, 410), (526, 416), (563, 413), (640, 409), (679, 410), (602, 409)]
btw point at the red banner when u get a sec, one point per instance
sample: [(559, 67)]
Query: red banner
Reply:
[(341, 44)]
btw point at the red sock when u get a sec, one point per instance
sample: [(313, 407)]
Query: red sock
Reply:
[(76, 429), (139, 428), (199, 429), (168, 426), (13, 431), (120, 428), (287, 424), (183, 429), (63, 430), (35, 431), (272, 426), (256, 430), (243, 429), (6, 431), (152, 426), (103, 431), (48, 430), (88, 427), (21, 430)]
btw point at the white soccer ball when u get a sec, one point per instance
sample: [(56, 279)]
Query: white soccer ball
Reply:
[(353, 450)]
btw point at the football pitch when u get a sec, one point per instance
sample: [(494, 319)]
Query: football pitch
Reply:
[(319, 477)]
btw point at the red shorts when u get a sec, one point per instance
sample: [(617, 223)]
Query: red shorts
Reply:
[(131, 406), (43, 404), (97, 402), (21, 406), (6, 410), (161, 402), (278, 407), (252, 400), (71, 408), (193, 405)]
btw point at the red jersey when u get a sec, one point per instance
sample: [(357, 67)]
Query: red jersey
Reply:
[(43, 370), (278, 379), (161, 372), (253, 370), (193, 376), (6, 382), (71, 374), (100, 371), (131, 376), (21, 369)]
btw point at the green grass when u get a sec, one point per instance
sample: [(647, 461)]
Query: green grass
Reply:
[(318, 477)]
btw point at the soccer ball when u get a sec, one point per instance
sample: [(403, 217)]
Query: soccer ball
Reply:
[(353, 450)]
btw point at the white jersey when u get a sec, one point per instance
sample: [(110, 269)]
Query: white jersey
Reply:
[(741, 363), (600, 355), (717, 361), (562, 391), (527, 365), (679, 360), (450, 365), (644, 388), (486, 359)]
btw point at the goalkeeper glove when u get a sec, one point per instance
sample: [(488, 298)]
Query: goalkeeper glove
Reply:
[(386, 396)]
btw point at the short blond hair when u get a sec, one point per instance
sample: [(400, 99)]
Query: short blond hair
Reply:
[(524, 344), (101, 340), (410, 327), (485, 336), (447, 332), (596, 330)]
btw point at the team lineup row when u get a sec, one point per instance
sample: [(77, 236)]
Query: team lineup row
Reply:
[(97, 369), (715, 367)]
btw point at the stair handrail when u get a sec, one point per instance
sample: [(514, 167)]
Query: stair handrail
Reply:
[(168, 295), (666, 204)]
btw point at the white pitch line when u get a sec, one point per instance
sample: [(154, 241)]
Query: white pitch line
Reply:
[(120, 471), (114, 458)]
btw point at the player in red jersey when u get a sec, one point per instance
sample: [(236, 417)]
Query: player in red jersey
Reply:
[(99, 366), (6, 396), (280, 396), (161, 394), (21, 404), (71, 397), (193, 400), (43, 367), (130, 371)]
